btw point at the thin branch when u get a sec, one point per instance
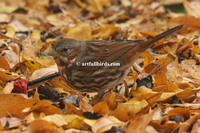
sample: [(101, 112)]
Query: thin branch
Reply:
[(50, 76)]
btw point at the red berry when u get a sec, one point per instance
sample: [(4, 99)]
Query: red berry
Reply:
[(20, 86)]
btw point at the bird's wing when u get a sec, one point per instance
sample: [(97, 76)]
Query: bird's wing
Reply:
[(109, 51)]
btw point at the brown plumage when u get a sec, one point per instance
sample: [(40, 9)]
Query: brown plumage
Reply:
[(71, 56)]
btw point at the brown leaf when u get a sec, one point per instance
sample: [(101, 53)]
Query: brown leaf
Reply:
[(13, 104), (109, 99), (128, 110), (164, 126), (45, 107), (101, 108), (41, 126), (184, 85), (183, 112), (4, 63), (148, 58), (187, 92), (190, 23), (151, 98), (11, 57), (86, 107), (71, 109), (158, 64), (189, 124), (139, 124)]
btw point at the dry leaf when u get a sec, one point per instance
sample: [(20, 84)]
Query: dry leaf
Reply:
[(101, 108), (140, 123), (13, 104), (41, 126), (105, 123), (128, 110), (45, 107), (190, 23), (4, 63), (82, 31)]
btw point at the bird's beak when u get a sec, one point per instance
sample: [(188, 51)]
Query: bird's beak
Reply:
[(53, 53)]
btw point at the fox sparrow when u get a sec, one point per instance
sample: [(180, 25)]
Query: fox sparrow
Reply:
[(98, 65)]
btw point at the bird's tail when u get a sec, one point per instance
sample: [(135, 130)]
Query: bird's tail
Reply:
[(145, 44)]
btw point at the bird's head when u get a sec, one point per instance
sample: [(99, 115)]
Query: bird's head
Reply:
[(66, 50)]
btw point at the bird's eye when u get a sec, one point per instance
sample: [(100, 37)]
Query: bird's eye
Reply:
[(65, 49)]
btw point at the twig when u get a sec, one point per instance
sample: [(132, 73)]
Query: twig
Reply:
[(50, 76)]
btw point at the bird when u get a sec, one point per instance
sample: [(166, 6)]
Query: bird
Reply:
[(99, 65)]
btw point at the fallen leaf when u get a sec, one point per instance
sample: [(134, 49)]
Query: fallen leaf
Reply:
[(190, 23), (5, 18), (71, 109), (110, 100), (105, 123), (45, 107), (77, 123), (13, 104), (8, 88), (55, 119), (43, 72), (10, 31), (41, 126), (101, 108), (128, 110), (191, 9), (185, 113), (140, 123), (187, 92), (4, 63), (11, 57), (7, 76), (189, 123), (10, 121), (82, 32)]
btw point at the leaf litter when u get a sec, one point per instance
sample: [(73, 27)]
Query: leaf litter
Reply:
[(160, 93)]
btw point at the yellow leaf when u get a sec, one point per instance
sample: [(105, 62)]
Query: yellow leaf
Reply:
[(166, 96), (10, 31), (76, 123), (32, 64), (82, 31), (36, 34), (7, 9), (127, 110)]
